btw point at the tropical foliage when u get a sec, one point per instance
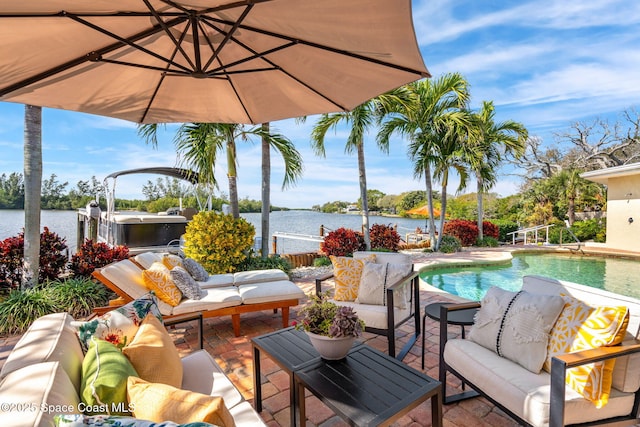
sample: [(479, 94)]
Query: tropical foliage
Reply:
[(219, 242), (92, 255)]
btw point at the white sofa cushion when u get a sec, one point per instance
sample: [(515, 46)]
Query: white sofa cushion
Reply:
[(50, 338), (255, 293), (217, 281), (524, 393), (213, 300), (25, 390), (258, 276), (203, 375)]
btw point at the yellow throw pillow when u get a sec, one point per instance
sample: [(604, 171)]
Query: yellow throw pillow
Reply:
[(170, 261), (160, 402), (605, 326), (347, 272), (566, 328), (158, 279), (153, 354)]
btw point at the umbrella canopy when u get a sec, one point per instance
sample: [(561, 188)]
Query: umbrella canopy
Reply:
[(253, 61), (423, 211)]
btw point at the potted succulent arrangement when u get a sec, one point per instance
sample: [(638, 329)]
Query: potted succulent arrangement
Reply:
[(331, 328)]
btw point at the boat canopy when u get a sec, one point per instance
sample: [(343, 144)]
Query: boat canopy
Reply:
[(186, 174)]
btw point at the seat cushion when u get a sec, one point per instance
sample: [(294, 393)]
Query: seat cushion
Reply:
[(524, 393), (25, 390), (203, 375), (153, 354), (50, 338), (217, 281), (374, 316), (269, 291), (257, 276), (213, 299)]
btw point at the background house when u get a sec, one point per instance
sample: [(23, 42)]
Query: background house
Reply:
[(623, 204)]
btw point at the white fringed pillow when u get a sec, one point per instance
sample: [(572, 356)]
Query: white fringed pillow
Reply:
[(516, 325)]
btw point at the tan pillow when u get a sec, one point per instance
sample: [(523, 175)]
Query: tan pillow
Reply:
[(158, 279), (347, 272), (160, 402), (170, 261), (153, 354)]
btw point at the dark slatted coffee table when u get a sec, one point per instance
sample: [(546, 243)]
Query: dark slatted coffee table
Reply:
[(368, 388)]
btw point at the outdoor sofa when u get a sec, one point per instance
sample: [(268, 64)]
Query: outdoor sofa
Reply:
[(42, 377), (543, 399), (223, 294)]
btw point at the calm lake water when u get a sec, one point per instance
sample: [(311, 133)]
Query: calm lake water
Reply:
[(302, 222)]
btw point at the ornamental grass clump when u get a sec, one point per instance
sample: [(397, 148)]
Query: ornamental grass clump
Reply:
[(323, 317)]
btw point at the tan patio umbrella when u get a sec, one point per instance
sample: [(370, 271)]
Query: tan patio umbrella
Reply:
[(153, 61)]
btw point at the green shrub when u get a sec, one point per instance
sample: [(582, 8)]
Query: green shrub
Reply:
[(217, 241), (254, 262), (449, 244), (322, 261), (21, 308), (78, 296), (504, 228), (487, 242)]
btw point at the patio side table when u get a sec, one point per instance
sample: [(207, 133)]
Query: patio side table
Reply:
[(368, 388), (289, 349)]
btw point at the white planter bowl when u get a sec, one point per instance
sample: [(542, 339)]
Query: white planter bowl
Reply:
[(331, 348)]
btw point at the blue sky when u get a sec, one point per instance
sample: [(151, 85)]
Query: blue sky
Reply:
[(546, 64)]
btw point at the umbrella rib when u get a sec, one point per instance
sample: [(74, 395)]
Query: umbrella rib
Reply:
[(168, 32), (227, 36), (268, 61), (325, 48), (123, 41)]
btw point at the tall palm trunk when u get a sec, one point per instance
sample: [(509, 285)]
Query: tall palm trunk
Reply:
[(266, 191), (363, 196), (480, 186), (432, 222), (232, 175), (443, 208), (32, 190)]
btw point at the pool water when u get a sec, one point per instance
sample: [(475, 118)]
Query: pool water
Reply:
[(621, 276)]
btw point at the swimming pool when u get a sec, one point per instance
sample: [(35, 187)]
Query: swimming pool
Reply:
[(621, 276)]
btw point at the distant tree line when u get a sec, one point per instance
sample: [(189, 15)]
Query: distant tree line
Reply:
[(159, 195)]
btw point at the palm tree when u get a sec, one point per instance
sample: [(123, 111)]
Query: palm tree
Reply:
[(360, 119), (198, 145), (32, 190), (438, 103), (493, 141)]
